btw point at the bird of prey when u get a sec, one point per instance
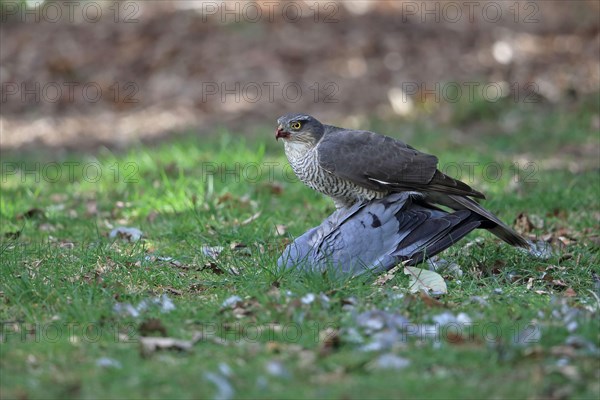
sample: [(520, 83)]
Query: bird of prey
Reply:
[(376, 235), (353, 166)]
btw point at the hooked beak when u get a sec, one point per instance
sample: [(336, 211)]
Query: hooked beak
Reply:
[(280, 133)]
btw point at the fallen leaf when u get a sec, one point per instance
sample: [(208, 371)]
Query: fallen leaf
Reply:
[(529, 283), (12, 235), (330, 340), (213, 267), (280, 230), (570, 372), (430, 301), (152, 216), (224, 198), (385, 278), (237, 246), (149, 345), (338, 375), (570, 292), (91, 208), (421, 279), (252, 218), (240, 248), (32, 213), (274, 188), (152, 325), (558, 283), (523, 224), (45, 227), (58, 197), (174, 291)]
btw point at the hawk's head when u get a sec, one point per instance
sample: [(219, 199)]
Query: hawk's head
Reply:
[(299, 128)]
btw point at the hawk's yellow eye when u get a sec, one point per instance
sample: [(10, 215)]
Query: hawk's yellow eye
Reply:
[(296, 125)]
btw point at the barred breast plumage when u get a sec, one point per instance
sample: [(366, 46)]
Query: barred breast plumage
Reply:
[(304, 162)]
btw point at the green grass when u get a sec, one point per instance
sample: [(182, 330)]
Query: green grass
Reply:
[(62, 276)]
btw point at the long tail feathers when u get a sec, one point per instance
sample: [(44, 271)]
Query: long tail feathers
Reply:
[(500, 229)]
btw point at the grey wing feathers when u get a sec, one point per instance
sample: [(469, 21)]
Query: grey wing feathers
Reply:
[(368, 159), (378, 235), (381, 163)]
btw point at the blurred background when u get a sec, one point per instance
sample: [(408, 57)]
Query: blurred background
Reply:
[(77, 75)]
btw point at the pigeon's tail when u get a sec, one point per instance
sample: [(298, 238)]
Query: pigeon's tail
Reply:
[(380, 234)]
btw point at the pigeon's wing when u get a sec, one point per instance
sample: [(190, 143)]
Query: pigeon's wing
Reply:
[(382, 163), (437, 232), (378, 235)]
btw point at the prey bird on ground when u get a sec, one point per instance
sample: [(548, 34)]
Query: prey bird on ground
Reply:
[(354, 167), (374, 236)]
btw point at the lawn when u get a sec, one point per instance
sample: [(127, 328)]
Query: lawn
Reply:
[(217, 209)]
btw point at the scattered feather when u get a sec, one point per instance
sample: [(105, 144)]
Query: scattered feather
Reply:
[(438, 264), (308, 298), (390, 361), (212, 251), (105, 362), (447, 318), (277, 369), (230, 302), (125, 233), (164, 303), (224, 388)]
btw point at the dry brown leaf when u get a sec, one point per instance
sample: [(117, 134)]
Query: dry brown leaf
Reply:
[(152, 325), (12, 235), (388, 276), (213, 267), (237, 246), (174, 291), (152, 216), (250, 219), (280, 230), (224, 198), (430, 301), (150, 345), (330, 340), (529, 283), (523, 224), (337, 375), (91, 208)]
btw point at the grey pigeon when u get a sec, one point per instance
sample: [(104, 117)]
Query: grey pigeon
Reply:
[(376, 235), (354, 167)]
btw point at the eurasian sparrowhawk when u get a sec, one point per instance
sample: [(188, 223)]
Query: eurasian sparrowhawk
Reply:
[(353, 166)]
